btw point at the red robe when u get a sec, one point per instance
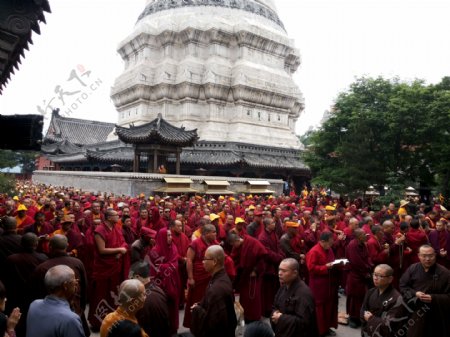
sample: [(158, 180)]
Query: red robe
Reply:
[(376, 251), (181, 241), (107, 274), (414, 239), (201, 278), (250, 257), (358, 276), (164, 268), (270, 284), (323, 284)]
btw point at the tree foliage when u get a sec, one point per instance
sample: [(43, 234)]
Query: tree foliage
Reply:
[(25, 159), (384, 129)]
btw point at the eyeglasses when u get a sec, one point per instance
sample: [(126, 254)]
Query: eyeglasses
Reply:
[(380, 276)]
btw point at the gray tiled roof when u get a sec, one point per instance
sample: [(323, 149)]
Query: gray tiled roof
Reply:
[(77, 131), (61, 147), (157, 131), (18, 20)]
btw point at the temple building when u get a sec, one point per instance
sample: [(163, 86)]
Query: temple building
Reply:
[(214, 73)]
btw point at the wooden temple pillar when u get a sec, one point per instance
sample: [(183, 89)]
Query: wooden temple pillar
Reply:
[(155, 161), (178, 161), (136, 161)]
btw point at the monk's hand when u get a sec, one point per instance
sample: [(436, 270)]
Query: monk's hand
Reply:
[(423, 297), (329, 265), (194, 306), (191, 282), (443, 253), (253, 274), (13, 319), (367, 315), (122, 250), (276, 316), (400, 239)]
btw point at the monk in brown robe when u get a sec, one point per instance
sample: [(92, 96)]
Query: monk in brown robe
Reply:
[(382, 311), (426, 288), (214, 315)]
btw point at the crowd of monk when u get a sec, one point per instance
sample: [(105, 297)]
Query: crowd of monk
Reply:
[(106, 239)]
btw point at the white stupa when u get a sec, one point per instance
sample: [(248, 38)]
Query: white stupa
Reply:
[(223, 67)]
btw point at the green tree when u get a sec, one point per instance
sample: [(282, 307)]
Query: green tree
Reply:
[(381, 131)]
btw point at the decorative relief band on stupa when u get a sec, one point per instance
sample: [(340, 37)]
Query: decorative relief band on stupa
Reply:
[(245, 5)]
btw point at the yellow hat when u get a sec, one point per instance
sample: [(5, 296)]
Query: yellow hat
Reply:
[(213, 217), (151, 198), (251, 207), (403, 203), (330, 208), (232, 199), (221, 197), (16, 198), (239, 220), (22, 208), (292, 224)]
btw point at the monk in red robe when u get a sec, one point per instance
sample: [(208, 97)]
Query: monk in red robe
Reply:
[(181, 241), (378, 252), (164, 268), (323, 281), (109, 269), (198, 278), (358, 276), (415, 238), (249, 254), (270, 282)]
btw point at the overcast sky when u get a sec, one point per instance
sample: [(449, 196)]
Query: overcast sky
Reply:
[(338, 40)]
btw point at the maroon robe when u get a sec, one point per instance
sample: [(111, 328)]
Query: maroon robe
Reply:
[(358, 276), (164, 268), (376, 251), (250, 257), (107, 274), (201, 278), (324, 286), (270, 283), (414, 239), (181, 241), (441, 240)]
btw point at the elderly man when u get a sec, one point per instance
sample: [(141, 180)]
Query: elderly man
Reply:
[(215, 315), (426, 287), (58, 256), (382, 311), (52, 316), (131, 300), (294, 310), (153, 317)]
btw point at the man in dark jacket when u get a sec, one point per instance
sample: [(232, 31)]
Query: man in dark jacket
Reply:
[(294, 310), (215, 315)]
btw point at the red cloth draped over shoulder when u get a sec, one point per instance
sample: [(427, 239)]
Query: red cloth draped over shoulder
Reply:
[(157, 222), (106, 265), (251, 252), (181, 241), (199, 246)]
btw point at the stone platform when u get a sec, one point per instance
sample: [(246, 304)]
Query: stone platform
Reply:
[(134, 183)]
